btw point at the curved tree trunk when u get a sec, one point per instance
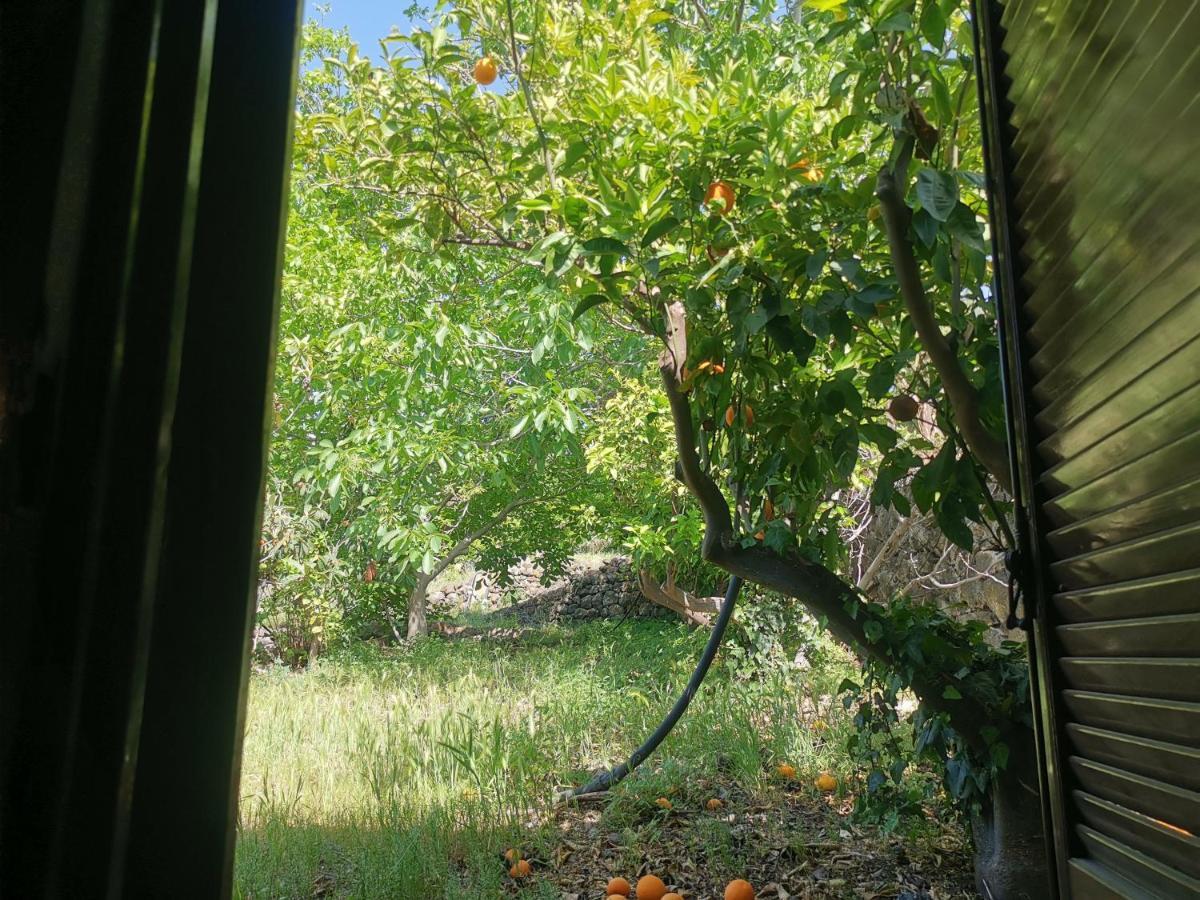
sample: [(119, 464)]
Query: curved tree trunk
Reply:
[(1010, 862)]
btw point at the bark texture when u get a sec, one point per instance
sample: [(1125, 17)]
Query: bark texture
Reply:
[(964, 398)]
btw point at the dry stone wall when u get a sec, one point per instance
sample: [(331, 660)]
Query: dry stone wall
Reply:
[(586, 591)]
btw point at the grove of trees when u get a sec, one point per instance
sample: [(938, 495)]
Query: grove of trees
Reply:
[(757, 231)]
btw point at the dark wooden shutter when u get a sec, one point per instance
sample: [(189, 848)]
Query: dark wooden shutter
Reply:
[(1094, 152)]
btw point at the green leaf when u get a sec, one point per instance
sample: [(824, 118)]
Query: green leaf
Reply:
[(605, 246), (933, 24), (938, 192), (900, 21), (658, 229), (587, 303), (519, 427), (925, 227), (951, 693), (574, 153)]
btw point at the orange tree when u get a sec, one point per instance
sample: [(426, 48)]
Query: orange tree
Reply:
[(788, 206)]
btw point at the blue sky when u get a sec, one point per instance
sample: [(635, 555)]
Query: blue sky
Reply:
[(368, 20)]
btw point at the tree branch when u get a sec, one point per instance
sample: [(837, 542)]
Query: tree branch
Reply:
[(839, 605), (528, 92), (964, 399)]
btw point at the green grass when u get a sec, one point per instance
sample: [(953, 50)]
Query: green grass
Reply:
[(404, 774)]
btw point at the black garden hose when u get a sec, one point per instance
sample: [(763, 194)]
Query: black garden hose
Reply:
[(606, 780)]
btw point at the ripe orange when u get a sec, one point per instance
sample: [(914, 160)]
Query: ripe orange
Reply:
[(521, 869), (617, 886), (729, 417), (785, 770), (718, 369), (663, 802), (486, 70), (714, 803), (719, 190), (512, 855), (748, 415), (650, 887), (739, 889), (826, 783), (672, 896), (904, 408)]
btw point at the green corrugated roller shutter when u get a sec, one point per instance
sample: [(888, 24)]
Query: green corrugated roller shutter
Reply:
[(1100, 140)]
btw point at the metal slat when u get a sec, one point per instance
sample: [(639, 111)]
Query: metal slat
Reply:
[(1121, 393), (1066, 400), (1176, 847), (1178, 808), (1120, 308), (1156, 554), (1170, 679), (1138, 94), (1101, 477), (1160, 636), (1096, 882), (1125, 519), (1160, 596), (1173, 721), (1170, 420), (1152, 877), (1162, 386), (1143, 756)]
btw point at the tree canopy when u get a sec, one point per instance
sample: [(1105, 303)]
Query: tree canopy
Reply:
[(786, 207)]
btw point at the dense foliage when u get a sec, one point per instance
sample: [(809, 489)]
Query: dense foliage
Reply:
[(791, 205)]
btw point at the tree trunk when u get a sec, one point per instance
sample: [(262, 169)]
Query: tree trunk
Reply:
[(1010, 852), (418, 624), (1010, 860)]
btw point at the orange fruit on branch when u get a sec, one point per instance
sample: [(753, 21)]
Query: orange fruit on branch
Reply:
[(748, 415), (370, 572), (729, 414), (739, 889), (521, 869), (722, 192), (826, 783), (651, 887), (618, 886), (486, 70)]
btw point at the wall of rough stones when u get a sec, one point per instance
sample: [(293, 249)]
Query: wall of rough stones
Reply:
[(586, 591)]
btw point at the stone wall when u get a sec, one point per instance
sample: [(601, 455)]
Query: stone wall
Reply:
[(586, 591)]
